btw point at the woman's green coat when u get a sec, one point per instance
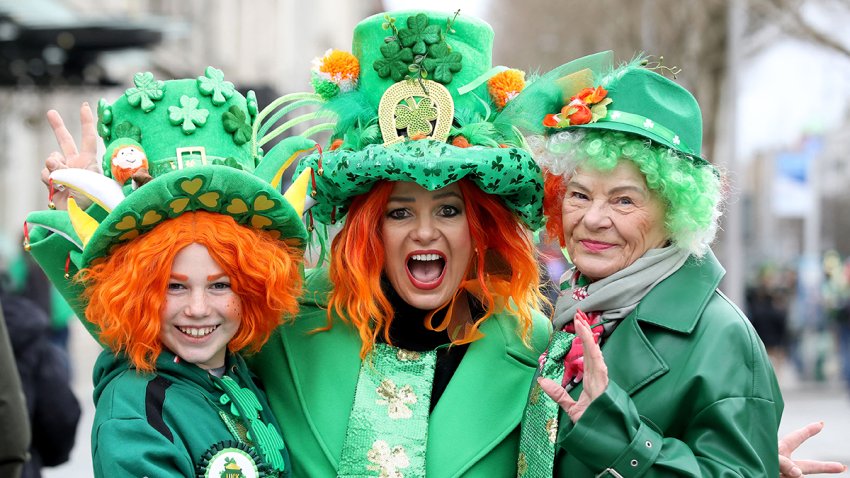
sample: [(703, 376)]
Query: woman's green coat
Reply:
[(473, 431), (691, 391)]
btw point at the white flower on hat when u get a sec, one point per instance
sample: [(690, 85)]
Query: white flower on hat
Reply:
[(648, 124)]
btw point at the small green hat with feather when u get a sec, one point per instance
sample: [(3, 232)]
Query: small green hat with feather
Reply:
[(633, 98)]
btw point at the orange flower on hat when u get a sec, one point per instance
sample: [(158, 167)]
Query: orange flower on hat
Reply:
[(577, 112), (587, 106), (590, 96), (505, 86)]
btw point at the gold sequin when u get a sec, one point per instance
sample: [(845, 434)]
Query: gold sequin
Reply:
[(552, 429), (404, 95), (535, 394), (397, 399), (388, 462), (408, 355), (521, 465)]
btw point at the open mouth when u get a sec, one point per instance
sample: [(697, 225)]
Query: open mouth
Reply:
[(426, 269), (197, 332)]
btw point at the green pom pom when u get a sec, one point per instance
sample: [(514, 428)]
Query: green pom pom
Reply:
[(324, 88)]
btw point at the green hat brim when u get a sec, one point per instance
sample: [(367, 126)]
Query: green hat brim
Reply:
[(638, 131), (248, 199), (510, 173)]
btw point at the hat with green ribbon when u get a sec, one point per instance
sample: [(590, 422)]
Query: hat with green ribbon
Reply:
[(173, 147), (418, 100), (634, 99)]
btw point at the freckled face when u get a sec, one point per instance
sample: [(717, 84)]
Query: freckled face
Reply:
[(611, 219), (427, 245), (201, 312)]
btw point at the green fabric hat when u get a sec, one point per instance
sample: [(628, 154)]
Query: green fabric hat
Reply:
[(168, 118), (250, 200), (199, 139), (648, 104), (419, 100)]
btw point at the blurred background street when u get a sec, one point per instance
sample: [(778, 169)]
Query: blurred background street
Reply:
[(772, 78)]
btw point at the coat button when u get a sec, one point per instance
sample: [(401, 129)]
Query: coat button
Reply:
[(634, 463)]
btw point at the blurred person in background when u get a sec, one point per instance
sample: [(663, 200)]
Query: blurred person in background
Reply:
[(768, 312), (15, 432), (51, 407), (29, 281)]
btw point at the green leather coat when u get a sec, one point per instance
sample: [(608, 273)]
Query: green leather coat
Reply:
[(691, 390), (473, 431)]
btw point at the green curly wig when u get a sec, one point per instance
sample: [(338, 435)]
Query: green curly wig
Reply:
[(690, 189)]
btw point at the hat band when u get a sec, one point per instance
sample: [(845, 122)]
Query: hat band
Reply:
[(646, 124)]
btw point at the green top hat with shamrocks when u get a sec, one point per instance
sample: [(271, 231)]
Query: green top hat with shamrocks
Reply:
[(419, 100), (173, 147)]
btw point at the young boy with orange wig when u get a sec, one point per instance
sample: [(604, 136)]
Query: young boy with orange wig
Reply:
[(177, 276)]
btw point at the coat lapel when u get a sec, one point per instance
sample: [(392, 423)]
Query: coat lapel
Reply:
[(325, 367), (483, 402), (632, 360)]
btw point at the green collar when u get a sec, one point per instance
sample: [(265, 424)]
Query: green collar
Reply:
[(697, 279)]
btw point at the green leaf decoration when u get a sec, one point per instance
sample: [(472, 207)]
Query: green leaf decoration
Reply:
[(148, 89), (213, 84), (395, 61), (599, 110), (104, 118), (187, 114), (417, 119), (251, 103), (233, 163), (442, 63), (127, 129), (235, 122), (418, 34)]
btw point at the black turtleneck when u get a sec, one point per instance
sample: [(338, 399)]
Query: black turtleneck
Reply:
[(408, 331)]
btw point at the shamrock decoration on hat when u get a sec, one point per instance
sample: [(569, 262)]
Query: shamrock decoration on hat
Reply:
[(419, 100)]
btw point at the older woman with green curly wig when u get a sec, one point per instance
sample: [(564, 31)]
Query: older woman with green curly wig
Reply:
[(652, 371)]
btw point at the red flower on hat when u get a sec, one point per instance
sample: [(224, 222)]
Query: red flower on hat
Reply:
[(587, 106), (577, 112)]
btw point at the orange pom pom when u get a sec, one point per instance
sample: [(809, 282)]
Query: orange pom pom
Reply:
[(460, 142), (506, 85)]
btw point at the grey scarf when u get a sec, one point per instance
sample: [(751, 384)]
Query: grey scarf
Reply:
[(618, 294)]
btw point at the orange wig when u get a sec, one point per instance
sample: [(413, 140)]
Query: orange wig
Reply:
[(127, 291), (554, 189), (504, 273)]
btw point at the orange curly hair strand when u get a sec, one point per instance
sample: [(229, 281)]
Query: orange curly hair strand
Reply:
[(127, 291), (554, 189), (504, 273)]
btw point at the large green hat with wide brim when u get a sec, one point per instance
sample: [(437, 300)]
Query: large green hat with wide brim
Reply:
[(197, 139), (419, 100)]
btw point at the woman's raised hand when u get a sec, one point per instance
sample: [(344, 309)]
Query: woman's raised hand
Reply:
[(70, 157), (595, 376), (789, 468)]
